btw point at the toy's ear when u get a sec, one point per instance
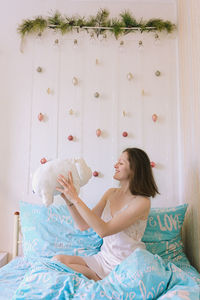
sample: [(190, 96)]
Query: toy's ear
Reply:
[(85, 173)]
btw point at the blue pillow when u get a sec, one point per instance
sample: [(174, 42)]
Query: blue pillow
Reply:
[(163, 232), (164, 224), (50, 230)]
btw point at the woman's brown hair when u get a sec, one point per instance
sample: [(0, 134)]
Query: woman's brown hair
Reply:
[(141, 177)]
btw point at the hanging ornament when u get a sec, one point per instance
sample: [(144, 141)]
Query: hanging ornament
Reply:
[(75, 43), (102, 37), (129, 76), (96, 95), (49, 91), (124, 113), (154, 117), (157, 39), (43, 160), (95, 174), (140, 44), (75, 81), (121, 46), (97, 61), (92, 35), (40, 117), (71, 112), (125, 134), (39, 69), (98, 132), (157, 73), (70, 137), (153, 164), (56, 42)]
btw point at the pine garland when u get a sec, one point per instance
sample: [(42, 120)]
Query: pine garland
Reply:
[(98, 24)]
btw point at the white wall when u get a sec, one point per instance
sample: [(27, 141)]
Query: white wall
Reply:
[(23, 95), (189, 64)]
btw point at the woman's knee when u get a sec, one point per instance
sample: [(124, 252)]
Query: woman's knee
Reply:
[(61, 258)]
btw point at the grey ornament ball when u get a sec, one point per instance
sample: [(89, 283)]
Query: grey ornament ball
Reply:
[(96, 95), (39, 69), (157, 73)]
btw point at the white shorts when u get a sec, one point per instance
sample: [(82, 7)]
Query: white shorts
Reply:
[(98, 264)]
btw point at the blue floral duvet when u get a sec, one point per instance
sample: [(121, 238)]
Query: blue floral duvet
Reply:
[(141, 276)]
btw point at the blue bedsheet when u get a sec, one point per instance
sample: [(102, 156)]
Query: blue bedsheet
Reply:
[(141, 276)]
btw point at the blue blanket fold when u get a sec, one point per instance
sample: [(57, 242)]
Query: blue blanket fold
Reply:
[(141, 276)]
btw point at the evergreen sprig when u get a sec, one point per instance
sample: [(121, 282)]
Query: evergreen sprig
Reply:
[(124, 24)]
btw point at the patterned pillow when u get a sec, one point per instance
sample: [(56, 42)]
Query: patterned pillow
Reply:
[(50, 230), (163, 232)]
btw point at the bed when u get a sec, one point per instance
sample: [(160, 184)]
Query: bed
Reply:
[(162, 271)]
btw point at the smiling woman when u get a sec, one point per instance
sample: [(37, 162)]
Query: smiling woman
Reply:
[(119, 218)]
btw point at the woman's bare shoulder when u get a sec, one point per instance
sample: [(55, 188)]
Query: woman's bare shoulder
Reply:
[(111, 190)]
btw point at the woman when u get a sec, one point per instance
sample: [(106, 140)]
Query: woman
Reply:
[(120, 217)]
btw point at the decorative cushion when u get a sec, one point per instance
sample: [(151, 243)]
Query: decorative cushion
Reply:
[(163, 232), (50, 230)]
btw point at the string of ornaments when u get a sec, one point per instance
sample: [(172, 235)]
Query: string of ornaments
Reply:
[(97, 26), (75, 82)]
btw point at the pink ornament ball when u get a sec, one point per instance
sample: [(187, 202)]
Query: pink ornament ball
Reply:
[(40, 117), (70, 137), (95, 174), (153, 164), (125, 134), (98, 132), (43, 160), (154, 117)]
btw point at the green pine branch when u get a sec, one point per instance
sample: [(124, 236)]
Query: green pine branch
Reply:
[(125, 24)]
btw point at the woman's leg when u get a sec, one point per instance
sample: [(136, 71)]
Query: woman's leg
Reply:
[(76, 263)]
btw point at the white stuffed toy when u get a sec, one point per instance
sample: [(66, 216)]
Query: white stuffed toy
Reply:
[(44, 180)]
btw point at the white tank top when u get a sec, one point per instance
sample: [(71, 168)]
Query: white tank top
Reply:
[(118, 246)]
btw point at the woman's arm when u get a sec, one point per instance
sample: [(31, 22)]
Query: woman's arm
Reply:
[(80, 222), (97, 210), (118, 223)]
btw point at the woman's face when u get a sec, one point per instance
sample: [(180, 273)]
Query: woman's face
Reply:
[(122, 167)]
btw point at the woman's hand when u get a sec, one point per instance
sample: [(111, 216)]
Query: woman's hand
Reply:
[(68, 190)]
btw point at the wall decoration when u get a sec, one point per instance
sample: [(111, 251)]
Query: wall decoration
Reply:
[(154, 117), (98, 24), (75, 81), (129, 76), (153, 164), (70, 137), (39, 69), (158, 73), (75, 43), (157, 38), (49, 91), (95, 174), (140, 44), (98, 132), (96, 95), (71, 112), (125, 134), (40, 117), (124, 113), (43, 160)]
